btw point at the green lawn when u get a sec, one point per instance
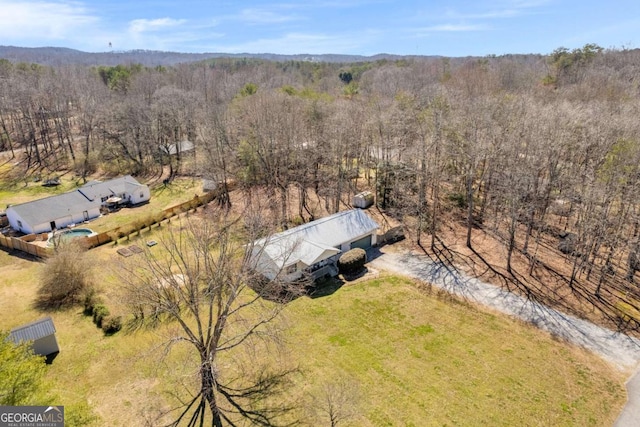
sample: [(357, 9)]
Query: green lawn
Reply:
[(409, 358), (420, 361)]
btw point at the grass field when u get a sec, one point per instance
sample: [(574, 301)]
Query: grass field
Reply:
[(418, 360), (409, 359)]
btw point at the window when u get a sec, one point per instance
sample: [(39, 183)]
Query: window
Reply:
[(104, 199), (19, 223), (290, 269), (142, 195)]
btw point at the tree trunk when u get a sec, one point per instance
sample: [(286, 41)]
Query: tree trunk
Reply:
[(208, 385), (469, 208), (512, 242)]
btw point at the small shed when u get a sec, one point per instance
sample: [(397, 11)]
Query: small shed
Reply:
[(363, 200), (209, 185), (42, 334), (185, 146)]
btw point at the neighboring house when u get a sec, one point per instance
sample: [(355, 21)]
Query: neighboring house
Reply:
[(42, 334), (83, 204), (313, 248), (54, 212), (126, 188)]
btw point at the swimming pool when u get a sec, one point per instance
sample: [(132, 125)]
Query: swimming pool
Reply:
[(68, 235)]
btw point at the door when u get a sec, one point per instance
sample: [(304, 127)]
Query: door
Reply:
[(86, 215), (363, 243), (52, 224)]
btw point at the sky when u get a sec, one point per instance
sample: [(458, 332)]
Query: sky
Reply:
[(354, 27)]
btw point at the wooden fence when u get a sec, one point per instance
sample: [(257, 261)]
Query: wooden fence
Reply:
[(25, 244)]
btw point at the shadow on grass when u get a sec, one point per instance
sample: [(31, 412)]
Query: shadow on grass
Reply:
[(350, 277), (325, 287), (20, 254), (50, 357)]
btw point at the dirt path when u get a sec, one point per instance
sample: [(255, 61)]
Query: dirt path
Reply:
[(619, 349)]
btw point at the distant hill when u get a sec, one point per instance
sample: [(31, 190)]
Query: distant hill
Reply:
[(150, 58)]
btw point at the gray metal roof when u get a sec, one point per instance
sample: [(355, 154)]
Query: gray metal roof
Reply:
[(33, 331), (53, 207), (95, 190), (315, 240)]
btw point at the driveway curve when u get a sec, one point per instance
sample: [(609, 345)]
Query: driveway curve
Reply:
[(617, 348)]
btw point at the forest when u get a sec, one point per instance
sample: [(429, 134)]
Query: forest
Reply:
[(539, 153)]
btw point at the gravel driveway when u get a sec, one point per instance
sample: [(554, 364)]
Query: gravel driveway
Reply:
[(617, 348)]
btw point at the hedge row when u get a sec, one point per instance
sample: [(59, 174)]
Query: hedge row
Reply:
[(101, 315)]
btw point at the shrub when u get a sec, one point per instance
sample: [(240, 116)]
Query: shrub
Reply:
[(352, 261), (111, 324), (91, 299), (100, 312), (66, 278), (568, 244), (394, 234), (297, 220), (458, 199)]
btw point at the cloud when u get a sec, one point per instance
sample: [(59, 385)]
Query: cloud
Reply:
[(167, 34), (255, 16), (505, 9), (149, 25), (37, 20), (453, 28)]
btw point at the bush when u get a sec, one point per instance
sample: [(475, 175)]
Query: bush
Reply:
[(66, 278), (352, 261), (100, 312), (297, 220), (458, 199), (91, 299), (111, 324), (568, 244)]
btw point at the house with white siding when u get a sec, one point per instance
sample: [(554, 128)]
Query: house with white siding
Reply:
[(60, 211), (313, 248)]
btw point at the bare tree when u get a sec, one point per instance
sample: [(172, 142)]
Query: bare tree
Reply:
[(335, 403), (205, 282)]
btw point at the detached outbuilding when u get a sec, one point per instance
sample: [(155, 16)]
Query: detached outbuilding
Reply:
[(180, 147), (363, 200), (42, 335)]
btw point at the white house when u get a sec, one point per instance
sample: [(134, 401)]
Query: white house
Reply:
[(83, 204), (42, 335), (125, 188), (54, 212), (313, 248)]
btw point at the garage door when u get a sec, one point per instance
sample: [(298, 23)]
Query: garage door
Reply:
[(364, 243)]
